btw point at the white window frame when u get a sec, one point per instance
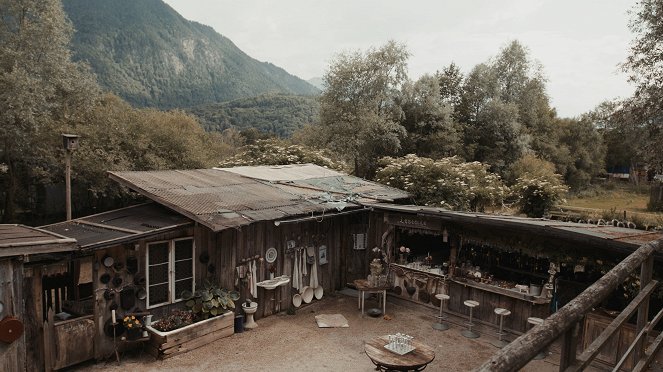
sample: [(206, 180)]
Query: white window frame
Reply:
[(172, 296)]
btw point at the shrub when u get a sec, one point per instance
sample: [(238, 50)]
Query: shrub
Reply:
[(448, 182), (535, 195)]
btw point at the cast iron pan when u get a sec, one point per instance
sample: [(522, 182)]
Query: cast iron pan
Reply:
[(204, 258), (424, 296), (108, 328), (398, 290), (139, 279), (127, 298), (117, 280), (132, 265), (108, 295), (105, 278)]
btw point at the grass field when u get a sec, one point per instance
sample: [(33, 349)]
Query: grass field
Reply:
[(615, 200)]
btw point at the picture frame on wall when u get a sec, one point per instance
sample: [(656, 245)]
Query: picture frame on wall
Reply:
[(322, 254)]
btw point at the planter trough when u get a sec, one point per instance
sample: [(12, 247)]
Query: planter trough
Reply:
[(164, 345)]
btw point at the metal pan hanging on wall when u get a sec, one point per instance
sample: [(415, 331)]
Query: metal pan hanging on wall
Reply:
[(128, 298), (108, 295), (105, 278), (132, 265), (139, 279), (108, 261), (11, 329), (270, 255), (141, 294), (117, 280)]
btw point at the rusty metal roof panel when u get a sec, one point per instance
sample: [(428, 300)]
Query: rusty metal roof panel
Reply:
[(125, 224), (631, 237), (18, 240), (290, 172), (220, 198)]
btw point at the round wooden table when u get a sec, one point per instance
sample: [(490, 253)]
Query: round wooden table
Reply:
[(386, 360)]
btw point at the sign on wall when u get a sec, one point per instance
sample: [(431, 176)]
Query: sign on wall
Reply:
[(414, 221)]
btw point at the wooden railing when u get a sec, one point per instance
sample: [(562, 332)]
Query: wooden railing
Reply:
[(565, 323)]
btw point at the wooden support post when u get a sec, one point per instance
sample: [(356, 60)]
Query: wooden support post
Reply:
[(646, 272), (569, 347)]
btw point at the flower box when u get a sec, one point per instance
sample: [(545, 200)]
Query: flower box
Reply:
[(167, 344)]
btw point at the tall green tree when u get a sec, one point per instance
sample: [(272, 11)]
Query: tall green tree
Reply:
[(431, 131), (40, 88), (358, 114), (645, 65)]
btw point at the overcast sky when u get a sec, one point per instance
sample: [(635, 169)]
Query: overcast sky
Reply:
[(579, 43)]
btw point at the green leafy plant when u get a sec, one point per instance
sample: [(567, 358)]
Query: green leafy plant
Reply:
[(210, 300)]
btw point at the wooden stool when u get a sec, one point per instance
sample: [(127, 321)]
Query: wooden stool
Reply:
[(469, 333), (501, 313), (534, 322), (440, 325)]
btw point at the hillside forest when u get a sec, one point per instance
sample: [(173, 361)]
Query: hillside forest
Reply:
[(475, 140)]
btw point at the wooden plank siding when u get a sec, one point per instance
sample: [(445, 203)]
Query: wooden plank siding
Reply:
[(12, 356)]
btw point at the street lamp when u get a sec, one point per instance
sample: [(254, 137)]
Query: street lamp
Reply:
[(70, 143)]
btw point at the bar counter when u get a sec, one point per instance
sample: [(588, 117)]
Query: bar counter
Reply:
[(421, 284)]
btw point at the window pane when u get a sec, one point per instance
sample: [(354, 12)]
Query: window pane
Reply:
[(183, 269), (158, 294), (158, 274), (181, 285), (158, 253), (183, 249)]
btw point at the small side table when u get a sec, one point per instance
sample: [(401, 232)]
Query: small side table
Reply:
[(364, 287)]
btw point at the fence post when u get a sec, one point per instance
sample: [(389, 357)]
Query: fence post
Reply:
[(569, 346), (646, 271)]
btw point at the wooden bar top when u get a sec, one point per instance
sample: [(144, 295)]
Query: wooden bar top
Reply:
[(418, 358), (502, 291)]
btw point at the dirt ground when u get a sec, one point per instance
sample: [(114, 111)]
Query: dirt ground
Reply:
[(294, 343)]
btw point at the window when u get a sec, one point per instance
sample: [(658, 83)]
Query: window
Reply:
[(169, 271)]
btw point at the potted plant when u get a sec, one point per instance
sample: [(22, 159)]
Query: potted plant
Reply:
[(134, 327), (210, 301)]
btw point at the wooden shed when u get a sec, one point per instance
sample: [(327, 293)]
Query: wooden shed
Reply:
[(306, 213), (22, 249)]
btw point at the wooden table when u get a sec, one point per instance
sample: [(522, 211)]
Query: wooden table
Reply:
[(386, 360), (363, 287)]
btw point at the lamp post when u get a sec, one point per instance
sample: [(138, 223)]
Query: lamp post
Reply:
[(70, 143)]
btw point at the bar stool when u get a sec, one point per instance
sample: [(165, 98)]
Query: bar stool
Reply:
[(534, 321), (501, 313), (469, 333), (440, 325)]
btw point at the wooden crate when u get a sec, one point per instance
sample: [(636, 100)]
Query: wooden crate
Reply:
[(164, 345)]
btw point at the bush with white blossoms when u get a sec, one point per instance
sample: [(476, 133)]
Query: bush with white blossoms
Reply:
[(448, 182), (535, 195), (278, 152)]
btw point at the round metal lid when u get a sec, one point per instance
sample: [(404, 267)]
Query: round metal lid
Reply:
[(270, 255)]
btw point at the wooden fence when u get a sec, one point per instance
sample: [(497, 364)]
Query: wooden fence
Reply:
[(565, 323)]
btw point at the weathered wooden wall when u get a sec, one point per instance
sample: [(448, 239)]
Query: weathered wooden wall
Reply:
[(12, 356), (102, 312)]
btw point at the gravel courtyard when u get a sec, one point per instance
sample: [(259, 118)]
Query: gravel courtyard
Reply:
[(295, 343)]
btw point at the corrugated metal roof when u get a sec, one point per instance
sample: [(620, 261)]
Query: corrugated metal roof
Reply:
[(120, 225), (290, 172), (626, 237), (19, 240), (222, 198)]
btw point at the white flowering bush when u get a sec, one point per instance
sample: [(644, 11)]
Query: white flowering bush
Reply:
[(448, 182), (277, 152), (536, 194)]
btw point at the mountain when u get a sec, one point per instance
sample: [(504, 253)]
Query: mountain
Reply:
[(317, 82), (278, 114), (148, 54)]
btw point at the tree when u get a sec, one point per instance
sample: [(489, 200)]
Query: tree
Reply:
[(40, 89), (358, 115), (451, 85), (431, 131), (645, 65)]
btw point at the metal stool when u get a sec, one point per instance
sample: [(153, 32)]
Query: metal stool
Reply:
[(440, 325), (501, 313), (469, 333), (534, 322)]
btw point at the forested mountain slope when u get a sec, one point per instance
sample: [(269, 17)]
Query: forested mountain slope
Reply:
[(148, 54)]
